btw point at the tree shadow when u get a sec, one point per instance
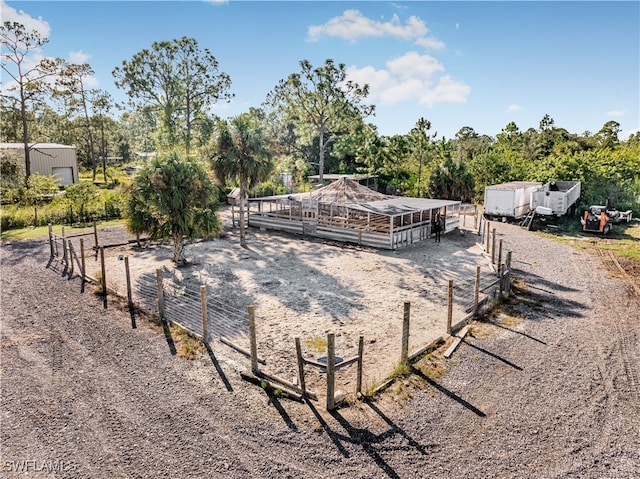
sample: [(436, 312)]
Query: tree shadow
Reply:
[(493, 355), (372, 444), (448, 393)]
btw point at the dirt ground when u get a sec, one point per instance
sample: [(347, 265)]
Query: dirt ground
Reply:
[(547, 387), (307, 287)]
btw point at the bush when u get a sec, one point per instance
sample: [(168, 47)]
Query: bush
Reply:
[(269, 188)]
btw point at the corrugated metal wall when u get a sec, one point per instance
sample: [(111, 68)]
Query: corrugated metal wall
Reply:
[(47, 157)]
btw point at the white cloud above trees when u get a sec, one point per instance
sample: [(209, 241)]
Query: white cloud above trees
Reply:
[(411, 76)]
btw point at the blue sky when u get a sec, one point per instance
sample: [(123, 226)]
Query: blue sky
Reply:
[(477, 64)]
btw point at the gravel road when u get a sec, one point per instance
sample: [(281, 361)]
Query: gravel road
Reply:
[(549, 388)]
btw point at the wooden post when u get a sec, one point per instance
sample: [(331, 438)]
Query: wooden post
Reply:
[(450, 307), (51, 240), (331, 358), (493, 246), (95, 233), (404, 350), (360, 355), (303, 386), (128, 276), (500, 252), (83, 266), (464, 218), (70, 258), (252, 339), (476, 292), (160, 293), (104, 278), (203, 309), (487, 225), (65, 258), (508, 266)]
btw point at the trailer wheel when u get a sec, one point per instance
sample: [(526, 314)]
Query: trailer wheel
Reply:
[(606, 229)]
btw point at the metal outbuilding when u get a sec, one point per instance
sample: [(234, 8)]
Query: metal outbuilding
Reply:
[(48, 159)]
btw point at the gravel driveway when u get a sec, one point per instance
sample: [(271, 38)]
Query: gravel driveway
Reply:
[(550, 388)]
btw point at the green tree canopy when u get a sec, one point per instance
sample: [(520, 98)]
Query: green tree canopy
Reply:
[(179, 81), (241, 153), (173, 198), (321, 103)]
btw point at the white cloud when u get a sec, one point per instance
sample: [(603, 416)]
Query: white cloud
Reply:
[(615, 113), (410, 77), (79, 57), (513, 107), (352, 25), (10, 14), (217, 2), (412, 64)]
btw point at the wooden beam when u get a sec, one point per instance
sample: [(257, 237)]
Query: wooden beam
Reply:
[(459, 337)]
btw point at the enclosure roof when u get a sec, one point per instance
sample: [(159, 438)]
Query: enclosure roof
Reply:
[(346, 192), (334, 177), (401, 205), (20, 146)]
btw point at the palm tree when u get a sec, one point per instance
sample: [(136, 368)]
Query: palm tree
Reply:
[(240, 153), (173, 198)]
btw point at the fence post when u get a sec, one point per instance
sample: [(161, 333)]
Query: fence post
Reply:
[(252, 339), (70, 258), (300, 366), (476, 292), (360, 355), (95, 233), (203, 309), (128, 276), (404, 350), (450, 307), (104, 277), (493, 246), (160, 294), (500, 252), (65, 258), (508, 266), (487, 224), (51, 240), (331, 358)]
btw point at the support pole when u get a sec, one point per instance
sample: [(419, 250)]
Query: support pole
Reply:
[(500, 252), (450, 307), (95, 233), (104, 278), (160, 294), (406, 317), (360, 355), (493, 246), (51, 240), (65, 257), (71, 252), (83, 266), (476, 292), (252, 338), (203, 310), (301, 380), (129, 294), (508, 266), (487, 226), (331, 358)]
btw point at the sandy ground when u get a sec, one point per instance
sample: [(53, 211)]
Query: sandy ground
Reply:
[(308, 288)]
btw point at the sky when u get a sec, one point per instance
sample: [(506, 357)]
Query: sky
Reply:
[(458, 64)]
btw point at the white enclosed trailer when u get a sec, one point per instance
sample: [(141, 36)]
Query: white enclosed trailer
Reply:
[(555, 198), (509, 200)]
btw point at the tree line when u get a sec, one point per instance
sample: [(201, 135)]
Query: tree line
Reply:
[(314, 121)]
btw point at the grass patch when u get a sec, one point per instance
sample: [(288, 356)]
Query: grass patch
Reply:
[(40, 231), (317, 344), (187, 346)]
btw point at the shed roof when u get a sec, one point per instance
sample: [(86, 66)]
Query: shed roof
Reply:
[(20, 146), (401, 205)]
